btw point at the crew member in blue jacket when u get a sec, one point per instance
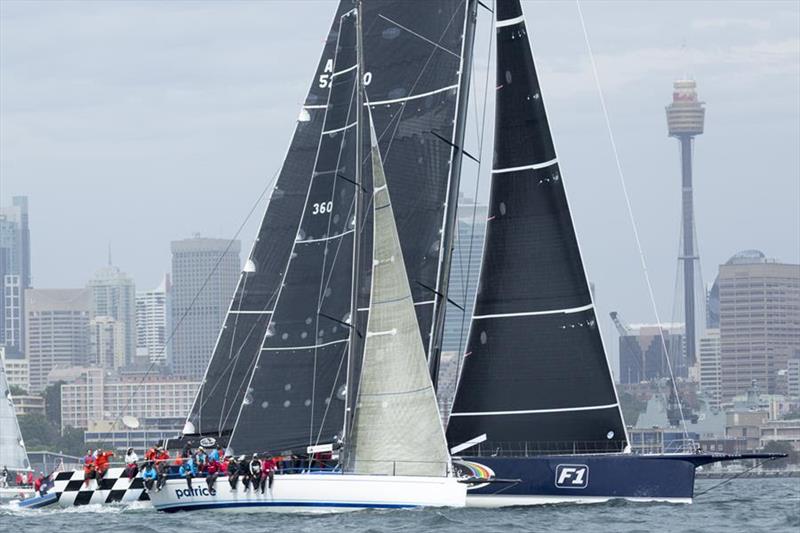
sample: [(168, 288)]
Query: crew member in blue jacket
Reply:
[(149, 475), (188, 470)]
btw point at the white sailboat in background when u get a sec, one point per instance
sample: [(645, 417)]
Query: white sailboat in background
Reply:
[(13, 455)]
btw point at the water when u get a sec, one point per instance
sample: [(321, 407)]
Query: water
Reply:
[(746, 505)]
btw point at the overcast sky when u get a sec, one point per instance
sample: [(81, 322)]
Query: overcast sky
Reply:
[(138, 123)]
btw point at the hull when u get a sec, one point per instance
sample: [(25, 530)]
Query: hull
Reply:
[(14, 493), (583, 478), (309, 493), (70, 489)]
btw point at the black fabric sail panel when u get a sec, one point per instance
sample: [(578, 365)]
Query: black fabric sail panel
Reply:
[(535, 375), (220, 396), (413, 52), (302, 361)]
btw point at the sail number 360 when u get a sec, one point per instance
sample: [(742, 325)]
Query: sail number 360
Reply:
[(321, 208)]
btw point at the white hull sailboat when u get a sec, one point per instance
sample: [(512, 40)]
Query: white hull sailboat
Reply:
[(392, 447), (312, 492), (13, 456)]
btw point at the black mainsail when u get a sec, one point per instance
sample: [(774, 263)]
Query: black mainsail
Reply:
[(221, 393), (535, 376), (287, 392)]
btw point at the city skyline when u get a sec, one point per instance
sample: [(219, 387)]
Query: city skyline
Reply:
[(176, 180)]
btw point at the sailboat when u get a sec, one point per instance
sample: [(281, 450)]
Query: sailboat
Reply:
[(536, 403), (344, 291), (13, 456), (393, 451)]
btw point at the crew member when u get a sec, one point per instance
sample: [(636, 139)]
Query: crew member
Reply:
[(233, 472), (212, 472), (150, 476), (188, 470), (101, 463), (131, 466), (88, 468), (254, 469)]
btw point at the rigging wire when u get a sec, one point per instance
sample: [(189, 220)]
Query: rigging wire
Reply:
[(482, 135), (631, 217), (196, 296), (740, 474)]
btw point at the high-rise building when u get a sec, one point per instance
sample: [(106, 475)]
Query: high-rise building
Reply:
[(204, 276), (15, 274), (57, 331), (464, 270), (107, 342), (685, 120), (114, 296), (710, 367), (641, 352), (152, 313), (793, 377), (759, 323)]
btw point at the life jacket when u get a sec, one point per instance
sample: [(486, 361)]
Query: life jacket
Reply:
[(151, 454), (101, 463)]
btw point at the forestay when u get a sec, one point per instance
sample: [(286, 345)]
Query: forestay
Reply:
[(397, 429), (535, 376)]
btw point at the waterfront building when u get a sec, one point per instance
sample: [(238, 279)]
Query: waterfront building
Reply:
[(759, 323), (152, 312), (204, 276), (113, 295), (99, 395), (29, 404), (17, 370), (57, 331)]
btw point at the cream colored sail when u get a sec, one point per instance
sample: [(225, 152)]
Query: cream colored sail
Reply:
[(12, 449), (397, 429)]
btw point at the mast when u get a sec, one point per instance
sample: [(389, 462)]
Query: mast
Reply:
[(450, 225), (353, 345)]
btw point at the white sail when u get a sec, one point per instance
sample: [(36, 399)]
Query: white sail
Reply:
[(12, 448), (397, 429)]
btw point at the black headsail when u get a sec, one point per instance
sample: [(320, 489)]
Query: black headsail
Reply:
[(413, 64), (220, 396), (535, 376)]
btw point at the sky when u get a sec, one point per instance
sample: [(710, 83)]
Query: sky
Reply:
[(137, 123)]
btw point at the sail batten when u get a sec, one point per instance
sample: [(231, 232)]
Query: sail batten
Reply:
[(535, 375)]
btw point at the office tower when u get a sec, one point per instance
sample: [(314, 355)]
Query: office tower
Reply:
[(464, 269), (204, 276), (15, 274), (759, 323), (685, 119), (710, 367), (641, 352), (107, 342), (113, 295), (57, 332), (151, 323)]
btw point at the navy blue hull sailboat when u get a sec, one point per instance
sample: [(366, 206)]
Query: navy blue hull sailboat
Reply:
[(535, 404)]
